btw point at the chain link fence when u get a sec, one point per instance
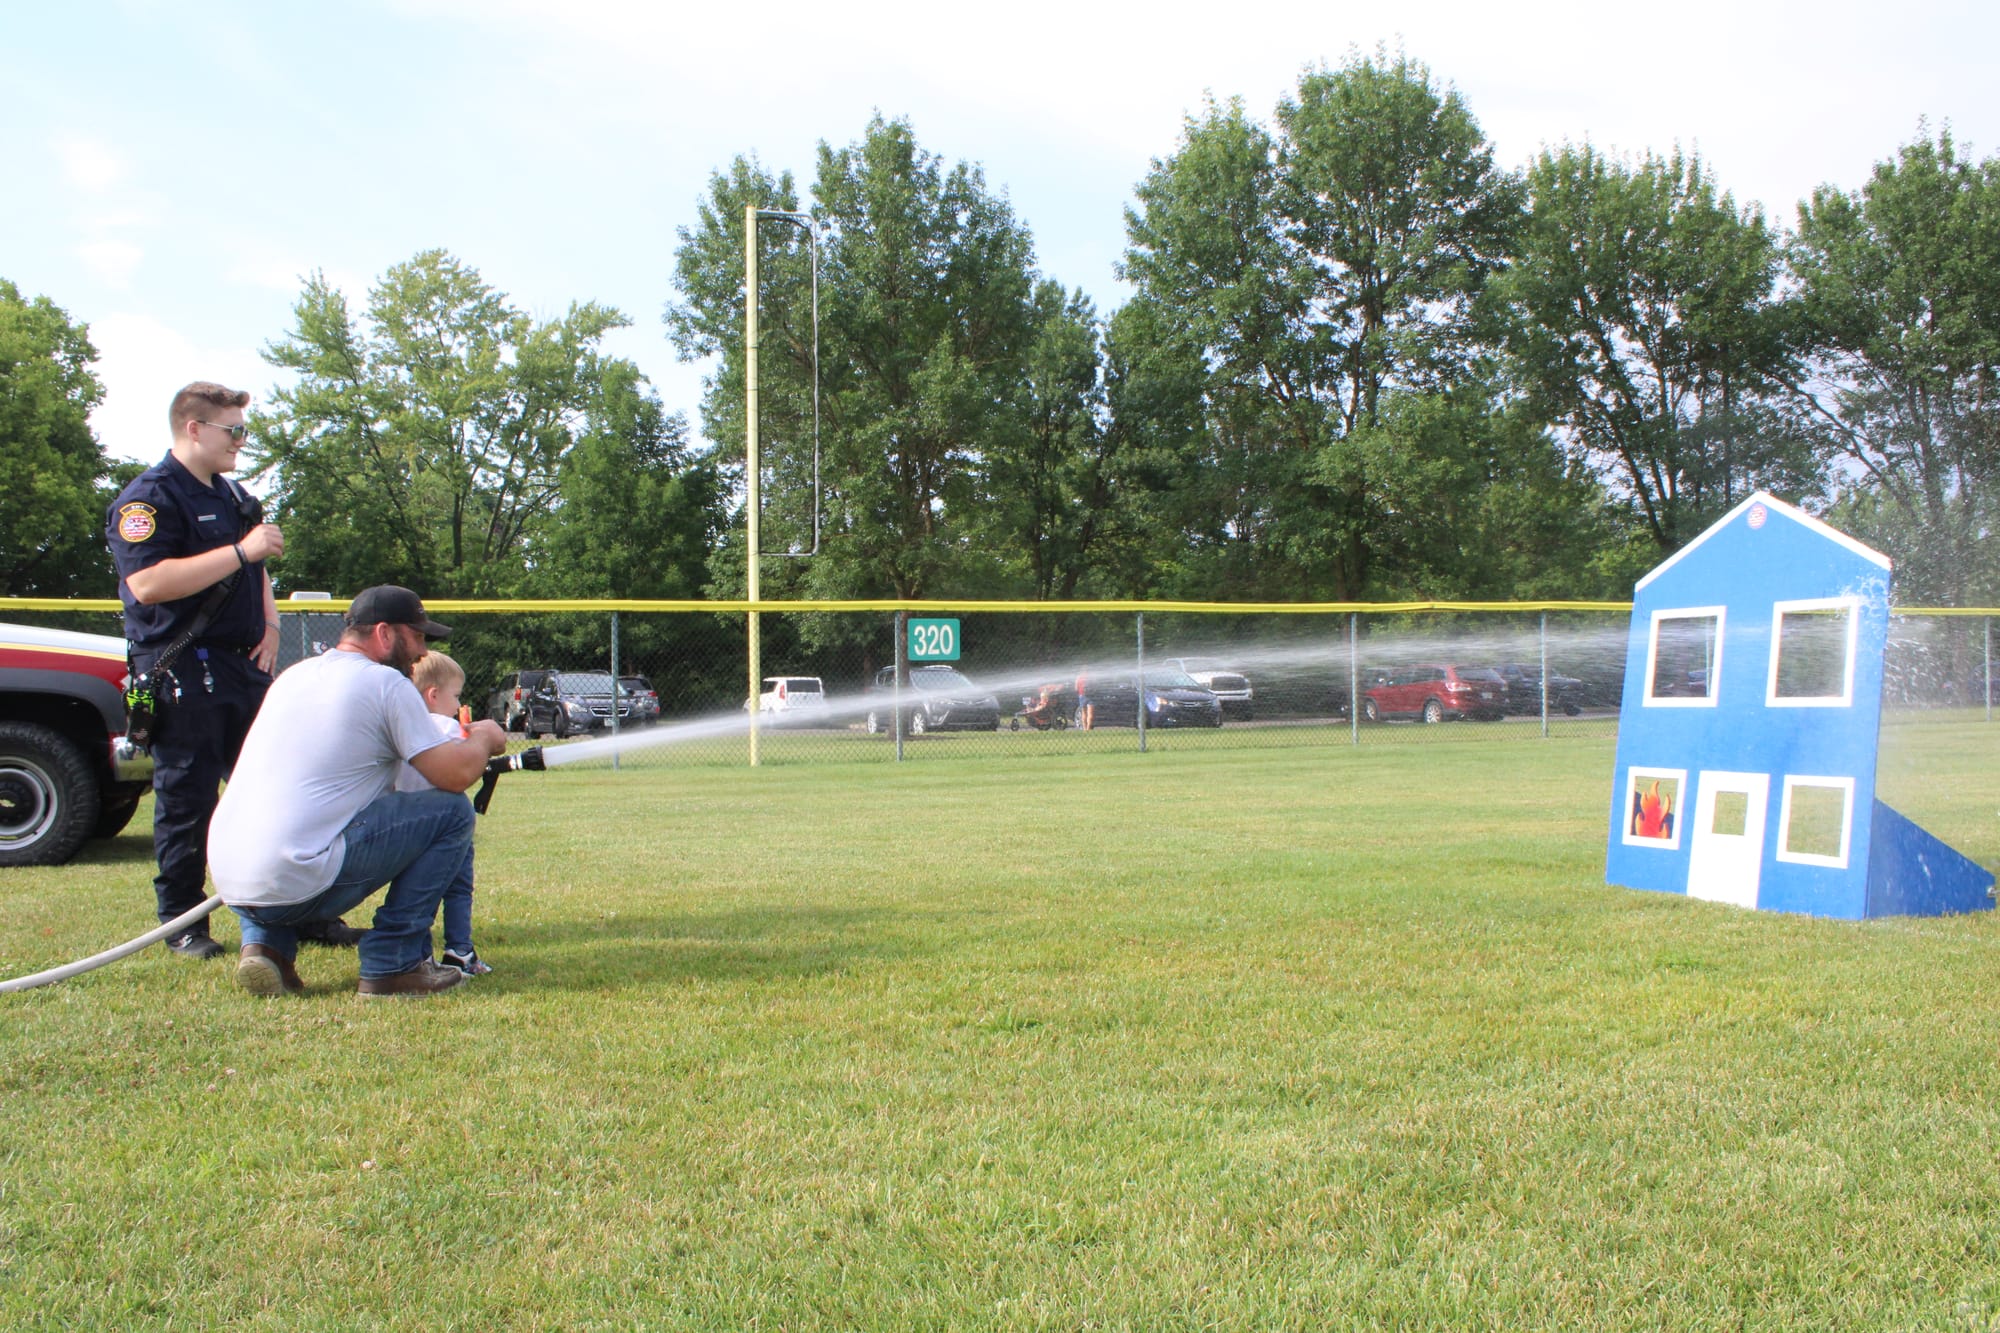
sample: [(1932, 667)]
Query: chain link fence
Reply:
[(673, 683)]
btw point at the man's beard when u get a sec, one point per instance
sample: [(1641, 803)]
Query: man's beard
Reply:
[(403, 658)]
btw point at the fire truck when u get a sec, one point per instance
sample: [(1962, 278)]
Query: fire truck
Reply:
[(67, 773)]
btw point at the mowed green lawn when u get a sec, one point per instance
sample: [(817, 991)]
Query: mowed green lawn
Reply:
[(1298, 1038)]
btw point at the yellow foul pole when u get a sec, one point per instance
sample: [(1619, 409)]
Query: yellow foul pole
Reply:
[(750, 460)]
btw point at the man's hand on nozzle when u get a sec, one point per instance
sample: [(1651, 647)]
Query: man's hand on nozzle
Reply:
[(263, 542), (489, 732)]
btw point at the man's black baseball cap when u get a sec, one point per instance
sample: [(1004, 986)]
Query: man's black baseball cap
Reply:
[(390, 605)]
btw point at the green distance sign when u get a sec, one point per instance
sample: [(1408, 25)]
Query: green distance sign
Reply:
[(933, 640)]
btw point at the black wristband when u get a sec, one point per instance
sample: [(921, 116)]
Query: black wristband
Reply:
[(242, 559)]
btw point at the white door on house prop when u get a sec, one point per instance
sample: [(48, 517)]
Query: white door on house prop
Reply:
[(1728, 847)]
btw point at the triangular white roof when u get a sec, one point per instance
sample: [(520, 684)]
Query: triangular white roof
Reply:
[(1776, 506)]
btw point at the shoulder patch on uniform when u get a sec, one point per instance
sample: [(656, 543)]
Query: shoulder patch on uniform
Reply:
[(136, 521)]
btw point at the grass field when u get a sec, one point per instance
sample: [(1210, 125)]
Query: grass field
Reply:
[(1306, 1038)]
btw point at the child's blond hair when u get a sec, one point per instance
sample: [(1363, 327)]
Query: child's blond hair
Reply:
[(435, 670)]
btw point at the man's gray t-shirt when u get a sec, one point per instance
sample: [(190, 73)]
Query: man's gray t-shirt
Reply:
[(329, 740)]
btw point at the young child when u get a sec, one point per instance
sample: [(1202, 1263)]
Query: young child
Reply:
[(439, 680)]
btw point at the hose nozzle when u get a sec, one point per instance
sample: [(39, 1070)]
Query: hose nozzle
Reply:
[(530, 758)]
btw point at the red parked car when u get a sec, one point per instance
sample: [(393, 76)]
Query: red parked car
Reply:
[(1435, 691)]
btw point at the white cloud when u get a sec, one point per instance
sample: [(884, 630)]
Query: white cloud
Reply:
[(143, 362), (267, 267), (129, 216), (108, 211), (111, 262), (89, 165)]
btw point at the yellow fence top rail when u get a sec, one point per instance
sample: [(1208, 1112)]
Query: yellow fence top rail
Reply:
[(446, 606)]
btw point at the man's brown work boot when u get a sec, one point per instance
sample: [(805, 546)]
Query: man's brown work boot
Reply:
[(262, 970)]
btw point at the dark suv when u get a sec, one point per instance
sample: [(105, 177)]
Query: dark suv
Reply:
[(938, 699), (508, 705), (568, 702), (644, 708), (1524, 689)]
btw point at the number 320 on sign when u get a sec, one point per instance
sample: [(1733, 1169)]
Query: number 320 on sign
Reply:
[(933, 640)]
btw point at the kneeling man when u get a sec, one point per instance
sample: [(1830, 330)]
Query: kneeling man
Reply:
[(311, 823)]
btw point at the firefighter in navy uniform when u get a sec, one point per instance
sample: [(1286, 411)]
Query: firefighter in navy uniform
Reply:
[(190, 547)]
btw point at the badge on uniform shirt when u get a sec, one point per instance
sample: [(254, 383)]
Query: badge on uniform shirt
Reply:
[(136, 522)]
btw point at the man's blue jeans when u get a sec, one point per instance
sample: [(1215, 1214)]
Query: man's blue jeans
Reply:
[(418, 843)]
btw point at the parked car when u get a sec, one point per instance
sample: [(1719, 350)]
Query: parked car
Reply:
[(568, 702), (792, 700), (66, 772), (1230, 688), (1524, 690), (1435, 691), (938, 699), (645, 701), (1691, 683), (508, 705), (1173, 699), (1337, 698)]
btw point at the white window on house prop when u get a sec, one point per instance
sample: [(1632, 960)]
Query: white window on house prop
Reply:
[(1684, 657), (1816, 821), (1812, 653)]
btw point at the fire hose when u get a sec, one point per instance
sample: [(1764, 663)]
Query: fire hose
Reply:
[(530, 759)]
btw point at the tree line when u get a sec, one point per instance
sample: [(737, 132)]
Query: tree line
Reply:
[(1361, 360)]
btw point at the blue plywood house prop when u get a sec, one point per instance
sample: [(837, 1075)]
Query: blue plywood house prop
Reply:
[(1747, 734)]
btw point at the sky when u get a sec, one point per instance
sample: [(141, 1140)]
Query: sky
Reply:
[(175, 171)]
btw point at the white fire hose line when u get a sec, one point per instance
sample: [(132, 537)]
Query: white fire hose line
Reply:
[(95, 961), (528, 759)]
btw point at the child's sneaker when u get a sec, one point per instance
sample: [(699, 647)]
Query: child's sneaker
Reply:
[(467, 962)]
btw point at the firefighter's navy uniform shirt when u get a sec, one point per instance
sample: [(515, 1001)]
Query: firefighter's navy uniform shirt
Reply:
[(164, 514)]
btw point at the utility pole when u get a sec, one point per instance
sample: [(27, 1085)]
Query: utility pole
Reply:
[(750, 461)]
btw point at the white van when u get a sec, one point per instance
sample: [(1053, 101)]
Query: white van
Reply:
[(794, 700)]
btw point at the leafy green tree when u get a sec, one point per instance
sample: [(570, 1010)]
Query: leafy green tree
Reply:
[(425, 443), (1477, 501), (1308, 275), (1177, 502), (52, 508), (1213, 365), (1390, 186), (639, 510), (638, 514), (941, 355), (1642, 318), (1899, 286), (1054, 505), (708, 323)]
